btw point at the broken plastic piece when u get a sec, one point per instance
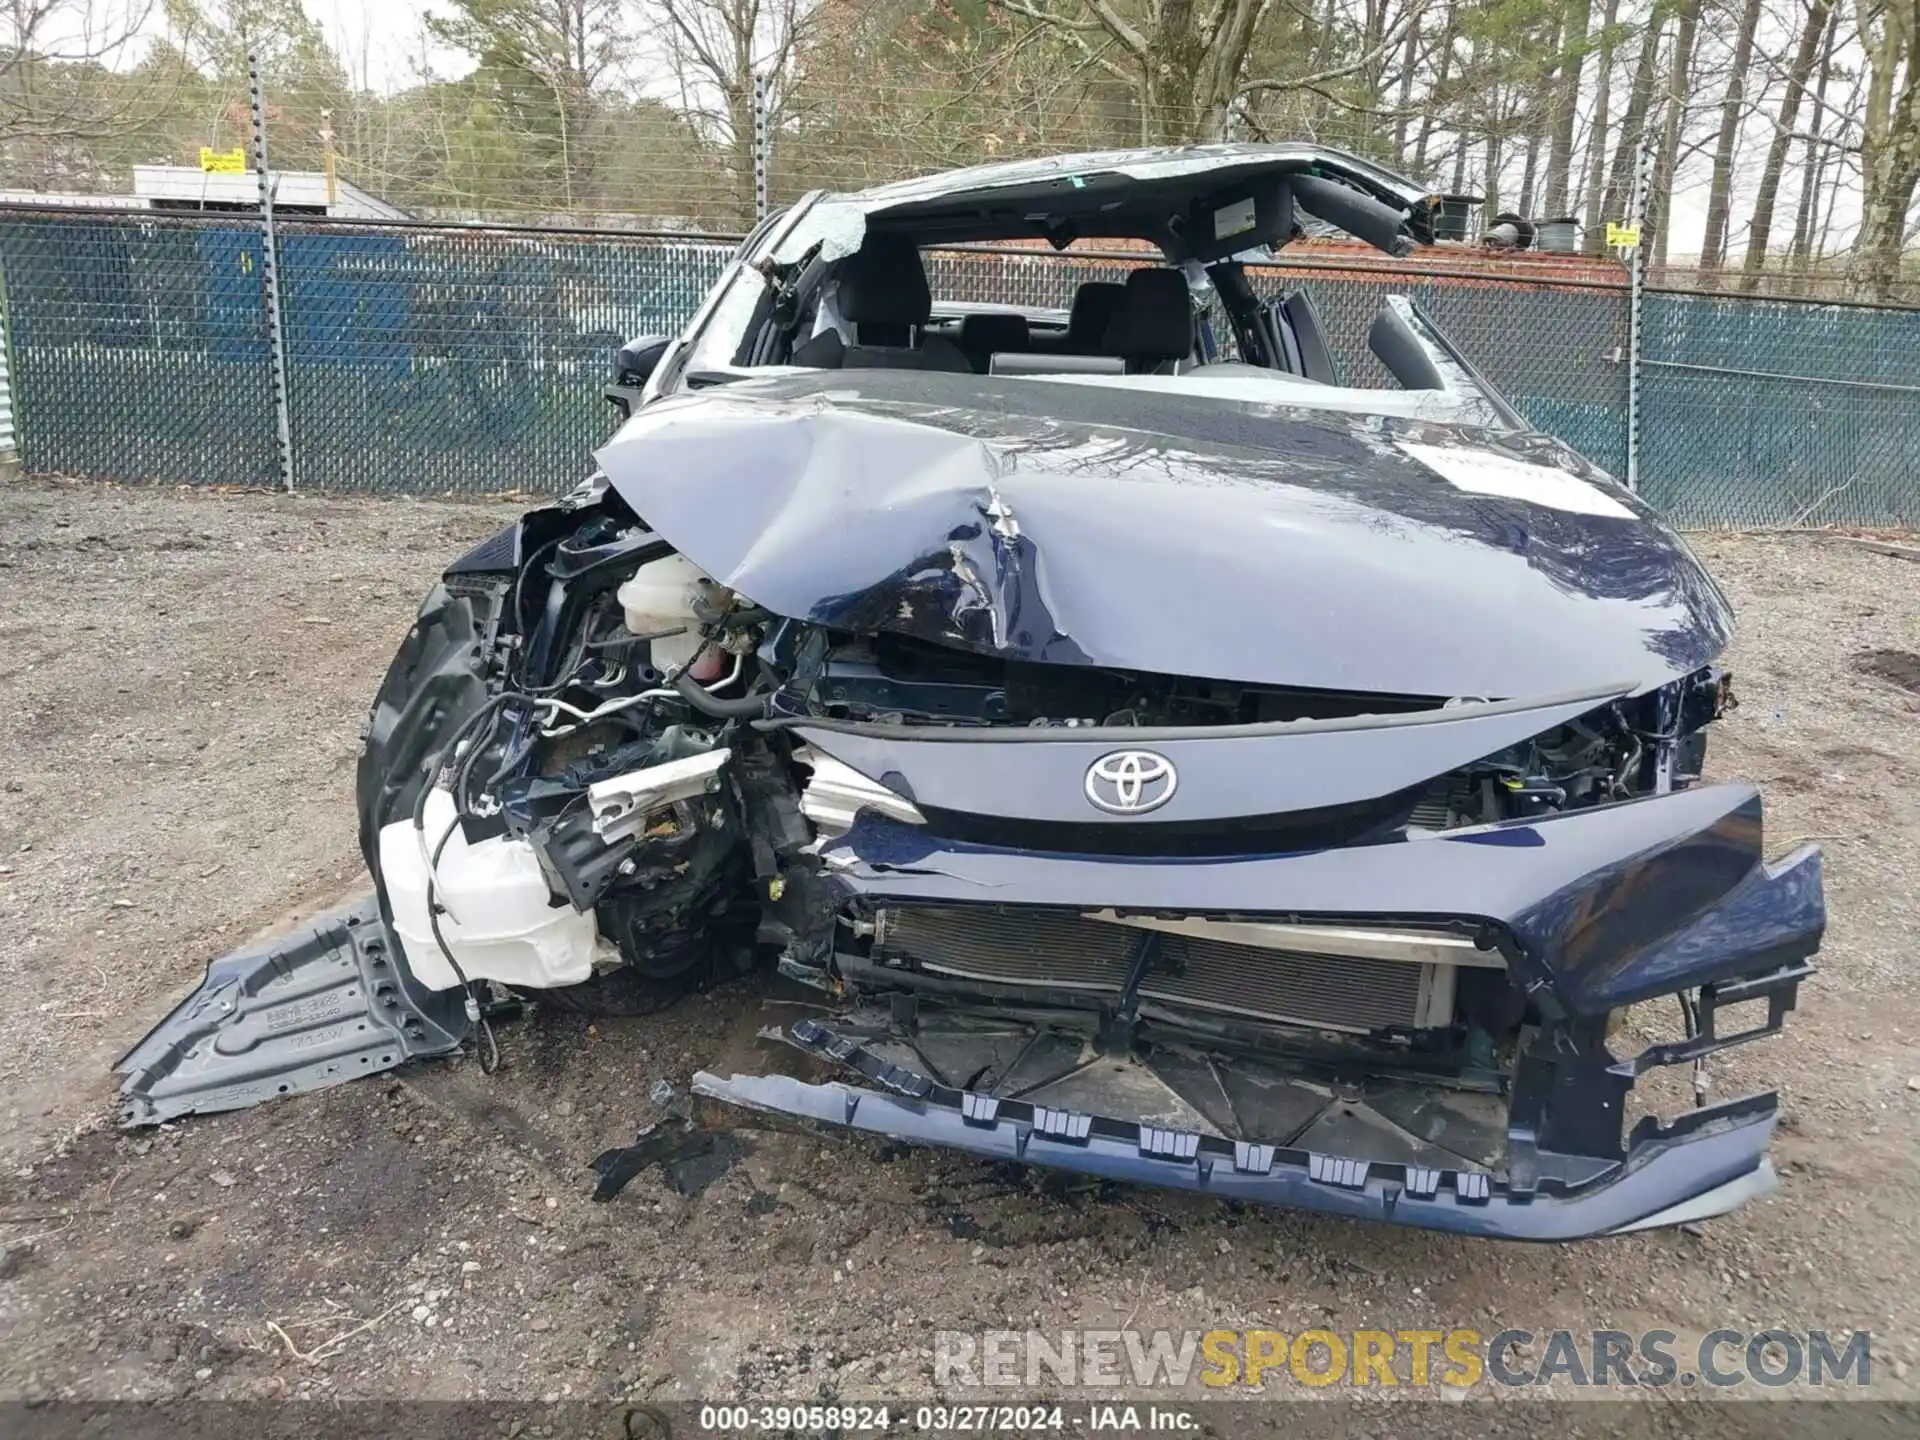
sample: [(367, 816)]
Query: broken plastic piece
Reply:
[(690, 1159), (300, 1012), (621, 805)]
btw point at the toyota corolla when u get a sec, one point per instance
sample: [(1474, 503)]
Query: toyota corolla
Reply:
[(1146, 754)]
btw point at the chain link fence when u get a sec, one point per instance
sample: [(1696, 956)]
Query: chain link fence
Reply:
[(1557, 352), (470, 360), (419, 360), (451, 361), (138, 349), (1780, 413)]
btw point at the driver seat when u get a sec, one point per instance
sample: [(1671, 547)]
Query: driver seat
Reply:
[(1152, 326), (883, 294)]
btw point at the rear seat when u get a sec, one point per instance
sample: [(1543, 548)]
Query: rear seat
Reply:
[(986, 335), (1093, 305)]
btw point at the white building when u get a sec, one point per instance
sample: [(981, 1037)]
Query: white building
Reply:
[(178, 188)]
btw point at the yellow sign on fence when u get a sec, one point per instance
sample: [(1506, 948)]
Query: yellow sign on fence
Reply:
[(1622, 237), (231, 162)]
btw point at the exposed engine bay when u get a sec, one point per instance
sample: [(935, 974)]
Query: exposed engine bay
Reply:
[(633, 797), (627, 805)]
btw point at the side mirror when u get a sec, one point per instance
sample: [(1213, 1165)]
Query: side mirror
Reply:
[(637, 359), (633, 363)]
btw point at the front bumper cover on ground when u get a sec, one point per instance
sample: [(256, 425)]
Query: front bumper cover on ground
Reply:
[(1702, 1165)]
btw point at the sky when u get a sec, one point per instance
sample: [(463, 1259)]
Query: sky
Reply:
[(382, 42)]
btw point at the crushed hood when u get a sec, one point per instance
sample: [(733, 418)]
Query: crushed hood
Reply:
[(1175, 534)]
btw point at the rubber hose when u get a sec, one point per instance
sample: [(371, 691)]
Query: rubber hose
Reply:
[(713, 706)]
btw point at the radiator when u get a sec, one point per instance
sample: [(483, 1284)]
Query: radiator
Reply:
[(1289, 985)]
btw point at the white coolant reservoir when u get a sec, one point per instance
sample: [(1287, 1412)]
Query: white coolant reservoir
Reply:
[(660, 596), (499, 920)]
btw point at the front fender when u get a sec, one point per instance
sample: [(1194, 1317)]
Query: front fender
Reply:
[(436, 681)]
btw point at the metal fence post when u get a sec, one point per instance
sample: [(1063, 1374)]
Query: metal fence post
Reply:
[(760, 146), (1637, 287), (9, 432), (270, 277)]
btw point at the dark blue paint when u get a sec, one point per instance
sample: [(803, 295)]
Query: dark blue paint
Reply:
[(1225, 772), (1607, 906), (1162, 533)]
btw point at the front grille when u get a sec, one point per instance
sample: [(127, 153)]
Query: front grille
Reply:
[(1006, 946), (1328, 827)]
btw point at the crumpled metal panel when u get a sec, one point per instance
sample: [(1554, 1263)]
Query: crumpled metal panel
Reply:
[(308, 1009), (1165, 533)]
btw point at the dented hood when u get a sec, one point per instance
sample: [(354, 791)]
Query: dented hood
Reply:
[(1175, 534)]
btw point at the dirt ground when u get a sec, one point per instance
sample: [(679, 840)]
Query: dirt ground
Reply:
[(183, 677)]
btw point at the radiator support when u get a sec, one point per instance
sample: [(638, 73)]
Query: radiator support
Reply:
[(1335, 977)]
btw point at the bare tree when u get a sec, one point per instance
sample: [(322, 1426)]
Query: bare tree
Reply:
[(57, 59), (1889, 138), (1633, 124), (1540, 91), (718, 47), (1438, 95), (1819, 15), (1596, 162), (1841, 164), (1403, 103), (1572, 52), (1529, 170), (1814, 159), (1187, 63), (1720, 187), (1673, 127)]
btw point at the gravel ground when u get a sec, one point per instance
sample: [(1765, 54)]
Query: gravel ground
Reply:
[(184, 676)]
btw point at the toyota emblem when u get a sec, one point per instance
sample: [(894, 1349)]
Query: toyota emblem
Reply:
[(1130, 782)]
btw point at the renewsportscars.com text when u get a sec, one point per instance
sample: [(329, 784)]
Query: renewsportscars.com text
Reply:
[(1459, 1358)]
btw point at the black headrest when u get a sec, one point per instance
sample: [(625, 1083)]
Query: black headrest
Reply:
[(984, 335), (884, 283), (1155, 318), (1093, 307)]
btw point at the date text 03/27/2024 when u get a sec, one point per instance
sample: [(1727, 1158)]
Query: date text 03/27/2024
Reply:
[(945, 1419)]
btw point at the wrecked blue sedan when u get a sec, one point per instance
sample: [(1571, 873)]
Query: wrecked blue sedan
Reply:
[(1145, 754)]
